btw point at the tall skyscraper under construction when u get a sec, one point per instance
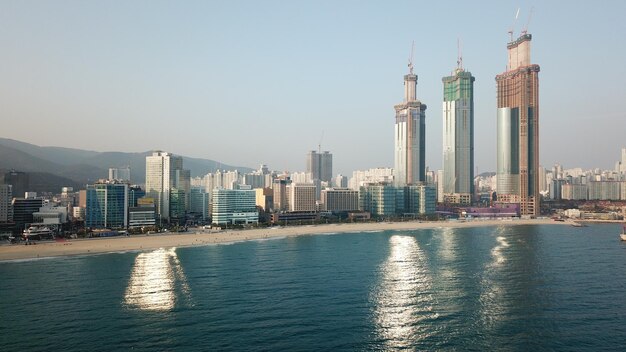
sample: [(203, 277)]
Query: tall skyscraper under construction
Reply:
[(458, 135), (410, 142), (518, 129)]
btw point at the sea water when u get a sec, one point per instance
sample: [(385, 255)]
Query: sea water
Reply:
[(524, 288)]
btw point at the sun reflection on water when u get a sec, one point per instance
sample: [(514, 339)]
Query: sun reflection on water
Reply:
[(404, 297), (493, 307), (154, 279)]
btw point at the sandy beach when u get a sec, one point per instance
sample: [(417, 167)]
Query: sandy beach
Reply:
[(199, 237)]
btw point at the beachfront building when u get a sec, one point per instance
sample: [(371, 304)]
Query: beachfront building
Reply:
[(301, 197), (458, 136), (234, 206), (339, 200), (24, 208), (160, 179), (384, 199), (518, 129), (410, 135), (107, 205)]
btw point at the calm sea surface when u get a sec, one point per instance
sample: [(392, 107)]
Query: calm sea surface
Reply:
[(518, 288)]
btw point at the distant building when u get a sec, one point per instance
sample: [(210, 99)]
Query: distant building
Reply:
[(160, 173), (48, 215), (264, 198), (6, 208), (178, 198), (182, 182), (199, 202), (19, 180), (107, 205), (279, 186), (142, 214), (339, 199), (574, 192), (604, 190), (234, 206), (320, 165), (376, 175), (341, 181), (120, 173)]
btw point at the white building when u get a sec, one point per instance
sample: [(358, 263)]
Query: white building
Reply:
[(361, 178), (119, 173), (409, 135), (160, 173)]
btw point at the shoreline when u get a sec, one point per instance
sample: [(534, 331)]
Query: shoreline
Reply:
[(204, 238)]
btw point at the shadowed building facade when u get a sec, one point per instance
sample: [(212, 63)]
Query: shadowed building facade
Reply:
[(518, 129)]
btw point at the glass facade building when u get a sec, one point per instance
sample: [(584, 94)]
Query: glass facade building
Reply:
[(107, 205), (458, 133), (518, 129)]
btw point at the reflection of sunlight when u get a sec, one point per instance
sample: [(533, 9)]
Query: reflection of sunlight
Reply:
[(492, 301), (153, 280), (404, 297), (497, 252)]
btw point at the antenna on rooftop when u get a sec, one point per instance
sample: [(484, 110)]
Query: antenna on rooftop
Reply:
[(513, 25), (459, 57), (319, 145), (411, 58), (530, 15)]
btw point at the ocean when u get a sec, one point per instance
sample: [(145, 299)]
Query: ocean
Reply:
[(513, 288)]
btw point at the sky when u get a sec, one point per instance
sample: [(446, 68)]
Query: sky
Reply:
[(251, 82)]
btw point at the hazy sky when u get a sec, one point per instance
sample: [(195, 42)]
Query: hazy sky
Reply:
[(250, 82)]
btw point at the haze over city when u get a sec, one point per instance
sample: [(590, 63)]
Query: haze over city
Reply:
[(247, 83)]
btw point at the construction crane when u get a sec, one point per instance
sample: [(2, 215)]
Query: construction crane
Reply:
[(513, 25), (411, 58), (530, 15)]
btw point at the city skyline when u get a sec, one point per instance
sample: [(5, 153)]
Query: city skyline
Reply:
[(136, 73)]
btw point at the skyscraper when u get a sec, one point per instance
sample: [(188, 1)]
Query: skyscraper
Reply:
[(320, 165), (160, 179), (410, 142), (458, 133), (518, 129)]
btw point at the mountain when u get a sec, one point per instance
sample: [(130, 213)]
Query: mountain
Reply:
[(79, 167)]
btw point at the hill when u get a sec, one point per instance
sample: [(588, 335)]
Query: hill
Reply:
[(79, 167)]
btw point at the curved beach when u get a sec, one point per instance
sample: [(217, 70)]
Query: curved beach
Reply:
[(206, 237)]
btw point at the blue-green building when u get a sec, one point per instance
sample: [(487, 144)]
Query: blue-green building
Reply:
[(107, 205)]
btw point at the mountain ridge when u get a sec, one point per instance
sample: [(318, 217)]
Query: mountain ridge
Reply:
[(86, 166)]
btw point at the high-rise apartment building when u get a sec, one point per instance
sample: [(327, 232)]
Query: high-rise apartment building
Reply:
[(160, 179), (458, 133), (410, 135), (518, 129), (320, 165)]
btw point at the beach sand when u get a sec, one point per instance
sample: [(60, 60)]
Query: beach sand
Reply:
[(206, 237)]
